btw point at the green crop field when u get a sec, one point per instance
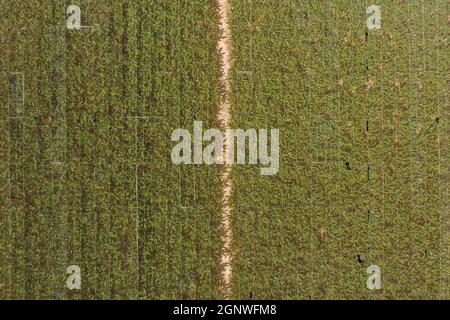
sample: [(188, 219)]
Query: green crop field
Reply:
[(363, 176), (87, 178)]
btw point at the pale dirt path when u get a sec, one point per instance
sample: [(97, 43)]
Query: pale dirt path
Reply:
[(224, 47)]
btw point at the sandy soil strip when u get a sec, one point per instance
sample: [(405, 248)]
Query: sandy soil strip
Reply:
[(224, 47)]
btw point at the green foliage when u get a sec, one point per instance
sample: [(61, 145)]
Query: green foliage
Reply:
[(86, 175), (306, 68)]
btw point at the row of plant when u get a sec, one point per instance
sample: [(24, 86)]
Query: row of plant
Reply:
[(87, 170), (363, 173)]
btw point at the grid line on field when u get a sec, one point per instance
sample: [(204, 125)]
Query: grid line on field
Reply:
[(396, 161), (424, 152), (442, 190), (436, 73), (413, 113), (339, 138), (413, 119), (377, 178), (58, 158), (368, 110), (311, 279), (381, 59), (252, 81), (138, 104), (194, 185), (16, 174)]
